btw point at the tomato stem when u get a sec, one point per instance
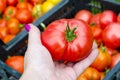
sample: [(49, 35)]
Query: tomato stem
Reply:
[(70, 35)]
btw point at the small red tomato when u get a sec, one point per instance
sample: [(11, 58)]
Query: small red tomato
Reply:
[(84, 15), (2, 5), (95, 19), (111, 35), (24, 16), (115, 60), (97, 33), (112, 51), (68, 39), (107, 17), (12, 2), (10, 12), (3, 23), (13, 26), (118, 18)]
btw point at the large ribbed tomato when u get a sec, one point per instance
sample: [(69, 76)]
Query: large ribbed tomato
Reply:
[(68, 39)]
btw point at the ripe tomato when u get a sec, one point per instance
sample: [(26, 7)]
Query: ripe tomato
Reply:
[(96, 19), (97, 33), (65, 43), (8, 38), (103, 60), (102, 75), (84, 15), (10, 12), (3, 23), (2, 5), (16, 62), (13, 26), (111, 35), (12, 2), (107, 17), (112, 51), (3, 32), (34, 2), (55, 1), (24, 16), (118, 18), (90, 74), (115, 60)]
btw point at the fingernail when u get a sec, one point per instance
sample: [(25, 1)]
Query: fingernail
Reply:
[(27, 27)]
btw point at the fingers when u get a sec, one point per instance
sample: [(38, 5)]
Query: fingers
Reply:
[(82, 65)]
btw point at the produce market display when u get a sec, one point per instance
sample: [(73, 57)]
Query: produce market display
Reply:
[(88, 20)]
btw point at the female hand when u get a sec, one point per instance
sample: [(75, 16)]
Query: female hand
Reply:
[(40, 66)]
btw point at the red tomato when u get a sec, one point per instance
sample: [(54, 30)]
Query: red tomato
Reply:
[(118, 18), (12, 2), (84, 15), (112, 51), (97, 33), (10, 12), (65, 43), (24, 16), (115, 60), (2, 5), (16, 62), (107, 17), (111, 35), (13, 26), (95, 19), (3, 23)]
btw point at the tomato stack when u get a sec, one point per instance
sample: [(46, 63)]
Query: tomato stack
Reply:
[(14, 14), (105, 27)]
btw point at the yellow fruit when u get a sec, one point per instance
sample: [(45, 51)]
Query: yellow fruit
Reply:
[(46, 6), (55, 1)]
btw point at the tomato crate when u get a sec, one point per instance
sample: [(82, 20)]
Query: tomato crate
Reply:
[(7, 73)]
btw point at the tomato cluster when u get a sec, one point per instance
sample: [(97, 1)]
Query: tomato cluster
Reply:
[(105, 27), (14, 14)]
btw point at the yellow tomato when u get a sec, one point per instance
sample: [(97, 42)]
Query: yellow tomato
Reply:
[(55, 1), (46, 6)]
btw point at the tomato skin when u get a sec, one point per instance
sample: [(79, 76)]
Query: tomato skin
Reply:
[(2, 5), (111, 36), (54, 39), (16, 62), (24, 16), (3, 32), (13, 26), (34, 2), (102, 61), (10, 12), (84, 15), (97, 33), (12, 2), (107, 17), (8, 38), (95, 19), (115, 59), (118, 18), (3, 23), (90, 74)]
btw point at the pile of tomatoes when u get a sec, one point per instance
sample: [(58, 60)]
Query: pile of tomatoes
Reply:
[(14, 14), (105, 27)]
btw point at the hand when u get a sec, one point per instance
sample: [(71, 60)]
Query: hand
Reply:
[(40, 66)]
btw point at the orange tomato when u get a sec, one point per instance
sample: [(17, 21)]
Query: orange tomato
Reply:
[(103, 60), (3, 23), (102, 75), (16, 62), (3, 32), (10, 12), (90, 74), (8, 38), (13, 26)]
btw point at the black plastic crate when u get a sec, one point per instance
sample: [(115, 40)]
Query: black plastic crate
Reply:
[(7, 73)]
